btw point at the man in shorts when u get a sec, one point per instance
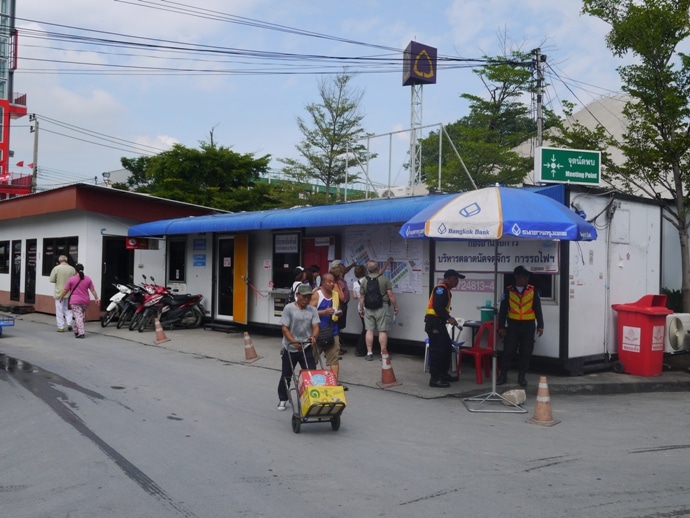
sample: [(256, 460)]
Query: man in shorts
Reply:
[(380, 319)]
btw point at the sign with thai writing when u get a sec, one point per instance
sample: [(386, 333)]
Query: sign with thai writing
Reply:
[(479, 256), (553, 165), (286, 243)]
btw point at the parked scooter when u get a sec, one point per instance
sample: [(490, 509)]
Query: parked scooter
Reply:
[(117, 304)]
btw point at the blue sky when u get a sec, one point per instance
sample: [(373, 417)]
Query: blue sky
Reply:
[(86, 110)]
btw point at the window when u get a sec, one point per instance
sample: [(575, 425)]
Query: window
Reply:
[(54, 247), (285, 258), (543, 283), (176, 260), (4, 257)]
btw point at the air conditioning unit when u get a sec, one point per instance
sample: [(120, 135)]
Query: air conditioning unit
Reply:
[(677, 333)]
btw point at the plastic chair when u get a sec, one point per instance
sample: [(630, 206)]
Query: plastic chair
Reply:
[(482, 355), (456, 352)]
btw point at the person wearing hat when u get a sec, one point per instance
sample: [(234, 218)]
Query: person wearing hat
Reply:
[(518, 315), (300, 325), (437, 316)]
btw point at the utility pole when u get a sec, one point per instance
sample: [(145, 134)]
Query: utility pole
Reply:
[(34, 173), (539, 58)]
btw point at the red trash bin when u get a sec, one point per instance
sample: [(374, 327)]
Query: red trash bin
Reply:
[(641, 334)]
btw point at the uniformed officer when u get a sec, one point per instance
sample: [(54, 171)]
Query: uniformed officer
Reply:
[(437, 316), (519, 311)]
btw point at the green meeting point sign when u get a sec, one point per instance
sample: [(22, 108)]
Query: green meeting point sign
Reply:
[(554, 165)]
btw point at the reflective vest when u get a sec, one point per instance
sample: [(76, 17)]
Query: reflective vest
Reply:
[(430, 306), (520, 306)]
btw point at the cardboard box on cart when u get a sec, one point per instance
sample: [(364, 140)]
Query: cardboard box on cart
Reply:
[(320, 395)]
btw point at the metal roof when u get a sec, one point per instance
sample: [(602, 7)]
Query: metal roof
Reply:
[(370, 212)]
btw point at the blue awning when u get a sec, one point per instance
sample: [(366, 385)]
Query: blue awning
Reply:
[(393, 210), (369, 212)]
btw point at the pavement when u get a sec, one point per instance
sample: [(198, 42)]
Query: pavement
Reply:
[(227, 344)]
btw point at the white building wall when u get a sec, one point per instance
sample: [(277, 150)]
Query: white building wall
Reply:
[(620, 267)]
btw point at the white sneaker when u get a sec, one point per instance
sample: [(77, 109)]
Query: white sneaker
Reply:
[(282, 405)]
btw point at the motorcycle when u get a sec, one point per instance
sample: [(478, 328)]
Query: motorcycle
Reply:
[(117, 304), (148, 293), (131, 302), (170, 308)]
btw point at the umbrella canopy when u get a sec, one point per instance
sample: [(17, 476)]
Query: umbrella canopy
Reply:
[(495, 212)]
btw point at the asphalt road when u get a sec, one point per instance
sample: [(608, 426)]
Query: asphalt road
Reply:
[(109, 427)]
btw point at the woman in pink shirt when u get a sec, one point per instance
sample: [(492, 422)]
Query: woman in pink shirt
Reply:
[(78, 286)]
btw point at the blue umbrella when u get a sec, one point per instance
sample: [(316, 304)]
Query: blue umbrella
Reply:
[(494, 212), (490, 214)]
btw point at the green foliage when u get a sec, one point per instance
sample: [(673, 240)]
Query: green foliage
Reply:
[(486, 137), (674, 299), (331, 135), (656, 145), (212, 176)]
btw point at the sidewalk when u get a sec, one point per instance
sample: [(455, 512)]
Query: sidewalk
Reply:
[(408, 369)]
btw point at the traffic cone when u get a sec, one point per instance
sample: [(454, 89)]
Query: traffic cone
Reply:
[(542, 412), (387, 374), (160, 334), (250, 355)]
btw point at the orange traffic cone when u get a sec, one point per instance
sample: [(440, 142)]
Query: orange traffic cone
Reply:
[(542, 412), (160, 334), (387, 374), (249, 352)]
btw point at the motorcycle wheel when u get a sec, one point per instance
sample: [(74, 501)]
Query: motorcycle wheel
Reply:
[(145, 321), (135, 321), (193, 318), (108, 317), (125, 316)]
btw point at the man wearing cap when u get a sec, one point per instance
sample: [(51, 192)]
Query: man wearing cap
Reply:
[(437, 316), (300, 326), (520, 309)]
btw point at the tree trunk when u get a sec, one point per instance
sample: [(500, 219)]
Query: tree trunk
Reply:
[(685, 265)]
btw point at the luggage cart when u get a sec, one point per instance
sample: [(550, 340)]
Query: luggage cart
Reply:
[(5, 320), (318, 412)]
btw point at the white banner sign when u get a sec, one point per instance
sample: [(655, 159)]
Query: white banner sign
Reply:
[(478, 256)]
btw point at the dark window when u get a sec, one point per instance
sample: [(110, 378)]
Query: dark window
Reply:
[(176, 261), (5, 257), (543, 283), (54, 247), (286, 254)]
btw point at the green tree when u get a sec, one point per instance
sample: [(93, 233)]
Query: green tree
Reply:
[(332, 138), (212, 176), (656, 143), (485, 139)]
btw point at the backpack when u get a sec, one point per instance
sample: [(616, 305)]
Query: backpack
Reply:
[(292, 297), (372, 297)]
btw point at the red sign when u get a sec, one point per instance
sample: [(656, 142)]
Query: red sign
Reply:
[(137, 243)]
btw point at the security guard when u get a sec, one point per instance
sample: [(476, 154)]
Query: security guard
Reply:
[(437, 316), (520, 308)]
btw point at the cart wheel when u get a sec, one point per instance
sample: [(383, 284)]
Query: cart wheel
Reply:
[(618, 367), (335, 423), (296, 424)]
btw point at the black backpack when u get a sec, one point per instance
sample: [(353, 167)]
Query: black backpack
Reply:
[(372, 297)]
